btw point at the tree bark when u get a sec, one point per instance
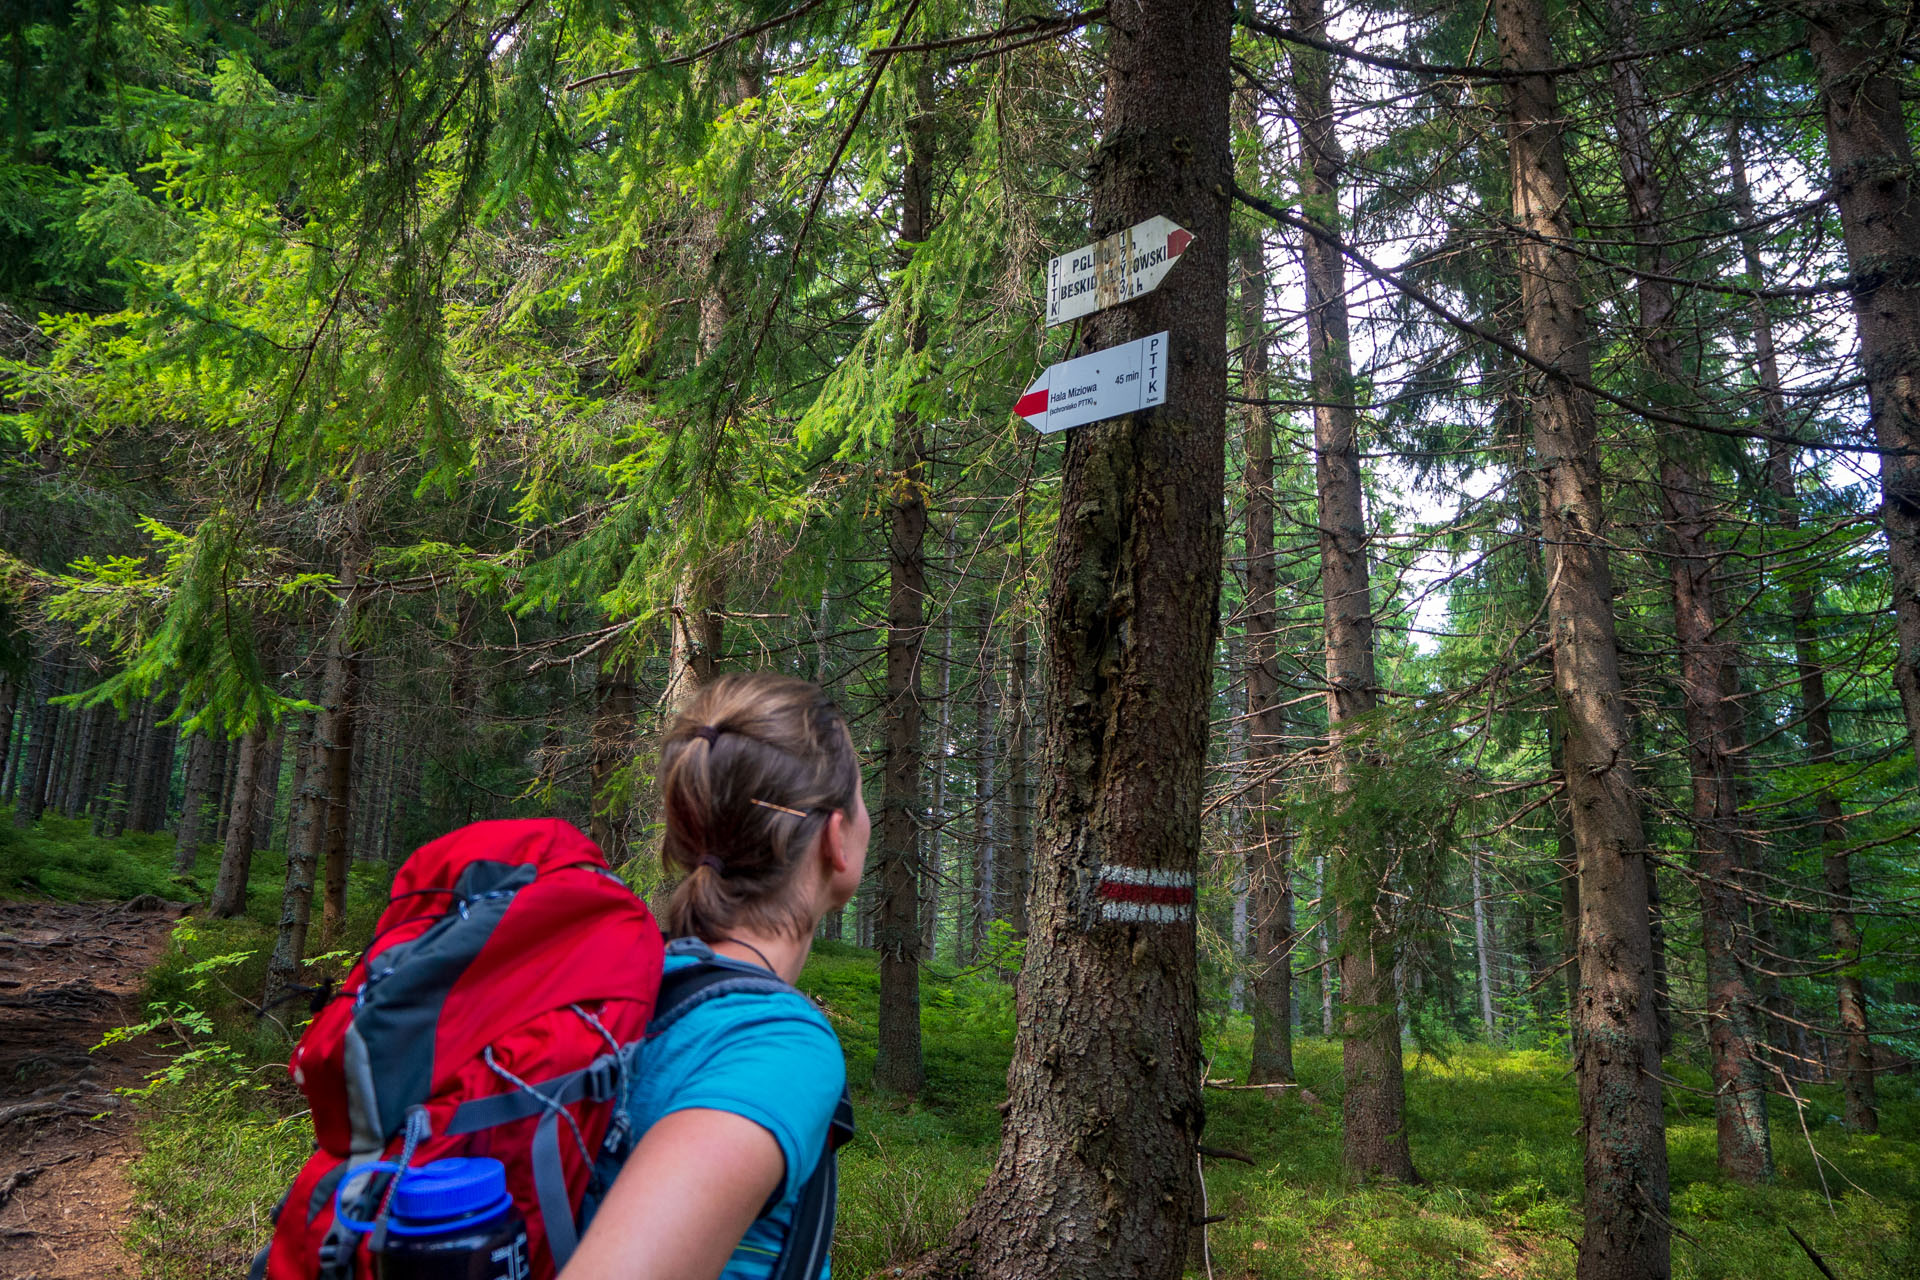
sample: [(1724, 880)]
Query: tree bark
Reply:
[(1268, 870), (1482, 949), (236, 859), (66, 730), (1567, 860), (1326, 938), (305, 835), (266, 788), (193, 809), (49, 683), (337, 725), (694, 646), (1861, 1107), (93, 739), (933, 866), (984, 796), (1015, 879), (834, 924), (9, 700), (1625, 1175), (1241, 941), (140, 749), (126, 756), (155, 782), (897, 1065), (220, 785), (1375, 1102), (334, 725), (1237, 824), (463, 694), (1859, 65), (613, 749), (1096, 1174), (1706, 655)]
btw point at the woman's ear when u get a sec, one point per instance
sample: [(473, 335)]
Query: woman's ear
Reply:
[(833, 844)]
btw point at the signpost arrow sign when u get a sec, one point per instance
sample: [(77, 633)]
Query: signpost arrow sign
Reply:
[(1095, 387), (1108, 272)]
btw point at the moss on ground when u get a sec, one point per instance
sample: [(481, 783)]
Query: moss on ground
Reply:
[(61, 858), (1493, 1131)]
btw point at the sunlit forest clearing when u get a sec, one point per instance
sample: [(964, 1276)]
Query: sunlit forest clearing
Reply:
[(1370, 556)]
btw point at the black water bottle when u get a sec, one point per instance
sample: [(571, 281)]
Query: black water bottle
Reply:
[(453, 1219)]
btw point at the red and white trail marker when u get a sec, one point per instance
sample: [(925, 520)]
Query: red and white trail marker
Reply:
[(1145, 895), (1106, 384), (1117, 269)]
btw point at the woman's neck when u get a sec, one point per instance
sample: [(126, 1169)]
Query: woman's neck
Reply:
[(787, 954)]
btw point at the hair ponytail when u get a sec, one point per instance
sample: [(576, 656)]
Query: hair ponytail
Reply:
[(749, 773)]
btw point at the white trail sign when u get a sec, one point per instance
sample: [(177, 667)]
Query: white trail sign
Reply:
[(1109, 272), (1105, 384)]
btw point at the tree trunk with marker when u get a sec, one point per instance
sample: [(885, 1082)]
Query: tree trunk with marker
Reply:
[(1096, 1175), (1625, 1175)]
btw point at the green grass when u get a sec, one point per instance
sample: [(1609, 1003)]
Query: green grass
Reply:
[(1493, 1132)]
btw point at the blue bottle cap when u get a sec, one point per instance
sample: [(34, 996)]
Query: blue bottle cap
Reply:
[(443, 1192)]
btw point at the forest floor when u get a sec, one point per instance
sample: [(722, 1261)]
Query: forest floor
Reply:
[(1494, 1131), (69, 973)]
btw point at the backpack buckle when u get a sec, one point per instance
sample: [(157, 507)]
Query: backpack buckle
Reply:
[(602, 1078)]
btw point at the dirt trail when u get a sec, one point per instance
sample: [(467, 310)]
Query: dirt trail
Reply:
[(68, 973)]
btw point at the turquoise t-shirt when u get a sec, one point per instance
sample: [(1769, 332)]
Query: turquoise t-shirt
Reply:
[(771, 1058)]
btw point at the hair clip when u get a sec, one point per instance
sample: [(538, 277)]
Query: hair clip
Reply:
[(768, 804)]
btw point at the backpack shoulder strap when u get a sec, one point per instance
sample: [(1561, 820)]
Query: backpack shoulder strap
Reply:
[(805, 1252), (686, 988)]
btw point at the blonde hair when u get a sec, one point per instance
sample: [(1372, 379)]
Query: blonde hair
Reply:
[(749, 773)]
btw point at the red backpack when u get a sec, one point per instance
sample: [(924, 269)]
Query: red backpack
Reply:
[(493, 1014)]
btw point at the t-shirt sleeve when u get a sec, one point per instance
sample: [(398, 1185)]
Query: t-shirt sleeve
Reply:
[(780, 1067)]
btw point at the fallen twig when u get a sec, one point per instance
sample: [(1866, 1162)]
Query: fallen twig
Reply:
[(20, 1178), (1224, 1153), (1813, 1257)]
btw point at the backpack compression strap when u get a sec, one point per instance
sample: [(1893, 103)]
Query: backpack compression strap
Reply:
[(685, 989)]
